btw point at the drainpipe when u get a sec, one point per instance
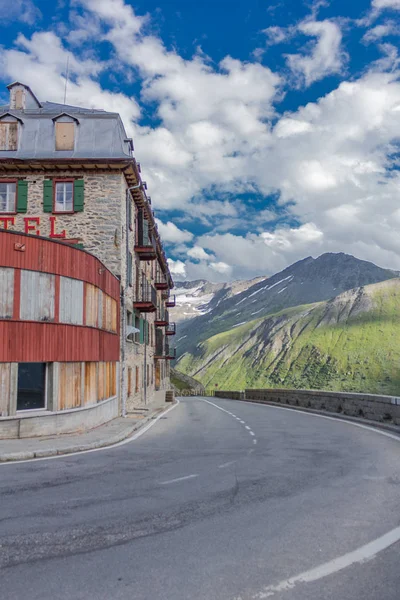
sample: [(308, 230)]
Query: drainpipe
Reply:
[(145, 360), (123, 299)]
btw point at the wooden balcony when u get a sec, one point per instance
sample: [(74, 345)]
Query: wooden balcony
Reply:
[(162, 317), (146, 299), (164, 352), (161, 282), (171, 301), (145, 246)]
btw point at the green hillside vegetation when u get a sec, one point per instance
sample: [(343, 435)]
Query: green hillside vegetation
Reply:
[(351, 343)]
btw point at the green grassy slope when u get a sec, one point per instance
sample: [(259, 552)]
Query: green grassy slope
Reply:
[(351, 343)]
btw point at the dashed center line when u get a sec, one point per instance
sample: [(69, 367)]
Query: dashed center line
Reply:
[(178, 479), (235, 417), (227, 464)]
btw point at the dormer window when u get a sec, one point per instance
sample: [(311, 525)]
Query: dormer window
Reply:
[(65, 130), (8, 132)]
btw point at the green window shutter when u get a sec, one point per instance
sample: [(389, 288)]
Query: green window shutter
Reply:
[(141, 334), (79, 246), (48, 195), (78, 195), (22, 197), (147, 332)]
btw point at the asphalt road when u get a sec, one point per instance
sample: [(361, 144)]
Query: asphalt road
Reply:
[(208, 505)]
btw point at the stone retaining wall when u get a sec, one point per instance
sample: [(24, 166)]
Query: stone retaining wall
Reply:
[(384, 409), (231, 395)]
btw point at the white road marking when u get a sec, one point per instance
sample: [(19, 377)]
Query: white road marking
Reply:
[(178, 479), (122, 443), (252, 433), (242, 422), (393, 436), (227, 464), (362, 554), (247, 427)]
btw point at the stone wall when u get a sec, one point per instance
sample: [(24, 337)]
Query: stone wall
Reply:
[(229, 395), (97, 227), (385, 409), (101, 228)]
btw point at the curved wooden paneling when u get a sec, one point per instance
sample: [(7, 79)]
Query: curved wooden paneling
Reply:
[(26, 341), (36, 253), (35, 333)]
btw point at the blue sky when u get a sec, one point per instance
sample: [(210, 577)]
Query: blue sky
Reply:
[(267, 130)]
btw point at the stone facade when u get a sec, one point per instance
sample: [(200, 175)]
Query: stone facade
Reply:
[(101, 229), (98, 226)]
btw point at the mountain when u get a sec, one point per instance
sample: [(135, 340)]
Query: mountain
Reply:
[(181, 383), (195, 298), (348, 343), (306, 281)]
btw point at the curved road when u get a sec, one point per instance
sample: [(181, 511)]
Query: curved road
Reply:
[(219, 500)]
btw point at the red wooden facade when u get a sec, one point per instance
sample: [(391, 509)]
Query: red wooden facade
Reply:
[(36, 253), (37, 341)]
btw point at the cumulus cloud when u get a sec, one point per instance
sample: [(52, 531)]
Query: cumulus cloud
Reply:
[(329, 165), (380, 31), (172, 234), (198, 253), (382, 4), (326, 56), (24, 11), (177, 268)]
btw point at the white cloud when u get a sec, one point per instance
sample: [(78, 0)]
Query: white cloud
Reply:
[(177, 267), (382, 4), (326, 57), (380, 31), (221, 267), (328, 164), (275, 35), (19, 10), (171, 233), (198, 253), (43, 59)]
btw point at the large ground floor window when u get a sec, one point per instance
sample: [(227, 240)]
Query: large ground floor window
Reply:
[(31, 386)]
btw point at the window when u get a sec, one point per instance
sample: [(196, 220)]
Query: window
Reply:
[(64, 196), (65, 136), (31, 391), (129, 382), (136, 379), (8, 136), (8, 197), (19, 99), (129, 323)]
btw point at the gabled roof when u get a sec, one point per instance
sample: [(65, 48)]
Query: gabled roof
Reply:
[(11, 85), (8, 114), (65, 114)]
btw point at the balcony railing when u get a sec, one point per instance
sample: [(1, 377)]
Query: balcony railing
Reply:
[(170, 353), (171, 301), (161, 281), (170, 329), (146, 298), (145, 245), (162, 316)]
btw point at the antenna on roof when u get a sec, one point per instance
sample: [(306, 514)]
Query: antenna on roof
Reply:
[(66, 80)]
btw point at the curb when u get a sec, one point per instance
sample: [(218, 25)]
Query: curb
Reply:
[(325, 413), (19, 456)]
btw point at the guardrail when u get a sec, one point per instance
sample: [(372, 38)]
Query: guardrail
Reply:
[(384, 409)]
